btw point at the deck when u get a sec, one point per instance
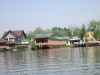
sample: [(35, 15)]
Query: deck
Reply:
[(6, 45), (92, 43), (87, 44)]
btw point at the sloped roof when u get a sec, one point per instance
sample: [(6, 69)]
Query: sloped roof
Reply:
[(44, 35), (60, 38), (17, 33), (50, 36), (75, 38)]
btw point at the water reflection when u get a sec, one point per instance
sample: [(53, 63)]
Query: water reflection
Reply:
[(66, 61)]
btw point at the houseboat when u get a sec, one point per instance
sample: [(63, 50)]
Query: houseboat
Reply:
[(45, 41), (92, 43), (6, 45), (13, 39), (77, 42)]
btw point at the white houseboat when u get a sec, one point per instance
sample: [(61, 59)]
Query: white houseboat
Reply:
[(76, 42)]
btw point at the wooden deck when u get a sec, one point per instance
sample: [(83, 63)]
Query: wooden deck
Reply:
[(6, 45), (87, 44)]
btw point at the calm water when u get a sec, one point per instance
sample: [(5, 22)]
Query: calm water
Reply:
[(63, 61)]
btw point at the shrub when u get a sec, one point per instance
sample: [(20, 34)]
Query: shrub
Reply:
[(21, 47), (33, 46)]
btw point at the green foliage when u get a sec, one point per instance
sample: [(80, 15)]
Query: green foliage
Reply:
[(82, 31), (76, 31), (9, 49), (95, 27), (71, 31), (61, 31), (38, 30), (86, 39), (30, 35), (33, 46), (21, 48), (1, 40), (57, 30)]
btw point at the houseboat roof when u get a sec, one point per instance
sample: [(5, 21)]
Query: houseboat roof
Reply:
[(75, 38), (50, 36), (60, 38), (45, 35), (42, 36)]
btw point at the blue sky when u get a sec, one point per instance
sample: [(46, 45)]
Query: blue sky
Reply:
[(29, 14)]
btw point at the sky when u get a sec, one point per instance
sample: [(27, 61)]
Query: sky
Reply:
[(28, 14)]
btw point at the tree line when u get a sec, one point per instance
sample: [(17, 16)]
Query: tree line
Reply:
[(70, 32)]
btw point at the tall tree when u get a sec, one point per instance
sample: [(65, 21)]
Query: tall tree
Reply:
[(83, 31), (30, 35), (95, 27), (69, 32), (75, 31), (39, 30)]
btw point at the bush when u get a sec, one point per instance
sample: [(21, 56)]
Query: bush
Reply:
[(33, 46), (21, 48)]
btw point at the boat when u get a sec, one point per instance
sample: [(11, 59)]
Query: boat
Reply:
[(77, 42)]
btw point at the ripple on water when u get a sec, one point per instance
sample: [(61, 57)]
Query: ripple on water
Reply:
[(65, 61)]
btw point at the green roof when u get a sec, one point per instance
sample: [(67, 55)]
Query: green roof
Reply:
[(42, 36), (25, 41), (50, 36), (45, 36), (60, 38)]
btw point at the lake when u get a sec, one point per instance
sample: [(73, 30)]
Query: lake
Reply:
[(62, 61)]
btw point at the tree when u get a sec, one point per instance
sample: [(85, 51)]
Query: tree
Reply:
[(39, 30), (95, 27), (74, 30), (32, 34), (83, 31), (60, 31), (48, 31), (69, 32)]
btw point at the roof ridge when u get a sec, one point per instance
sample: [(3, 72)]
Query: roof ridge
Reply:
[(16, 32)]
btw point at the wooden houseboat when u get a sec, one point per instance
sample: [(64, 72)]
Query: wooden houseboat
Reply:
[(92, 43), (49, 41), (6, 45), (13, 39)]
